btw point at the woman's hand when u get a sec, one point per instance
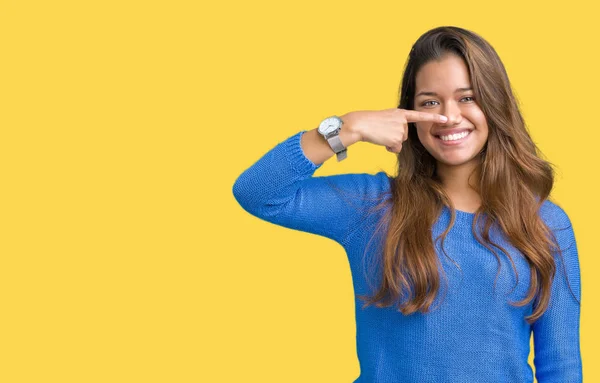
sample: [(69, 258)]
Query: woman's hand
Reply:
[(387, 127)]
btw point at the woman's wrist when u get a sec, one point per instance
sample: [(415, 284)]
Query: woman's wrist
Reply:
[(349, 133)]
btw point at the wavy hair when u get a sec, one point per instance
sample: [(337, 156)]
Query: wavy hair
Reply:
[(514, 182)]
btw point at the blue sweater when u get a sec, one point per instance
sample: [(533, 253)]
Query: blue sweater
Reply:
[(475, 335)]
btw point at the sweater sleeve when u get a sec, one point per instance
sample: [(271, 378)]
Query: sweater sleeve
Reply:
[(280, 188), (556, 332)]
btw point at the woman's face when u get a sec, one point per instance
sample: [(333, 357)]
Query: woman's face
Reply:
[(443, 84)]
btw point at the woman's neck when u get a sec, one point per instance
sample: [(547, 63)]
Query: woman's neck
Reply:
[(460, 188)]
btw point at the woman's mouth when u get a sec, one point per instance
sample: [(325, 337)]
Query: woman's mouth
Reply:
[(453, 139)]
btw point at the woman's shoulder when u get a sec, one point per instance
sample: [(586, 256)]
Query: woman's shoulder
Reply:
[(554, 215), (361, 188)]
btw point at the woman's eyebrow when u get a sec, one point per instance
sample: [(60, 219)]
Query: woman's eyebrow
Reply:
[(425, 93)]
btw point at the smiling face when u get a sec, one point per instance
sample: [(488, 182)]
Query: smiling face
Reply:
[(444, 87)]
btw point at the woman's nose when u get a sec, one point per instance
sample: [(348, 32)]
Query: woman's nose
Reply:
[(452, 111)]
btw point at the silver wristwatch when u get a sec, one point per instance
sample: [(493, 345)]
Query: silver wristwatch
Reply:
[(330, 130)]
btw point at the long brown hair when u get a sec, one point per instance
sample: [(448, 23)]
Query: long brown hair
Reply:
[(514, 182)]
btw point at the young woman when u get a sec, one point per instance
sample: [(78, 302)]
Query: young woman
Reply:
[(469, 204)]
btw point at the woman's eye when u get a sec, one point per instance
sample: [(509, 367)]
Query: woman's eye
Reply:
[(428, 103)]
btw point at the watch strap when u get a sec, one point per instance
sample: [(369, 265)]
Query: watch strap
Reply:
[(342, 155), (336, 143), (338, 147)]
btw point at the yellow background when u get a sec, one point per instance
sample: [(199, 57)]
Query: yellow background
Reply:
[(124, 256)]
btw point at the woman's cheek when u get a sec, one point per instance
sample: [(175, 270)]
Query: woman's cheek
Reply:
[(477, 115)]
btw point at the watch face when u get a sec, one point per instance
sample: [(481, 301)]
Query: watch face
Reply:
[(329, 125)]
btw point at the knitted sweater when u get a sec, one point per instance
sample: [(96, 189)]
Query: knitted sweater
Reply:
[(472, 334)]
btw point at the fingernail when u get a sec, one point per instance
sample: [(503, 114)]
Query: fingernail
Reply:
[(444, 118)]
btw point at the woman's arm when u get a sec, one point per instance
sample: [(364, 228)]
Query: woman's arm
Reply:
[(280, 188), (556, 332)]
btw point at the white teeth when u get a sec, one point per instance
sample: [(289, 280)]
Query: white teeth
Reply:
[(453, 137)]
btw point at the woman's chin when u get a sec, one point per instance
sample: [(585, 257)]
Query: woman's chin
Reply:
[(456, 160)]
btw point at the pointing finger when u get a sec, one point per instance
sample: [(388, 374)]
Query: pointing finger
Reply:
[(415, 116)]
